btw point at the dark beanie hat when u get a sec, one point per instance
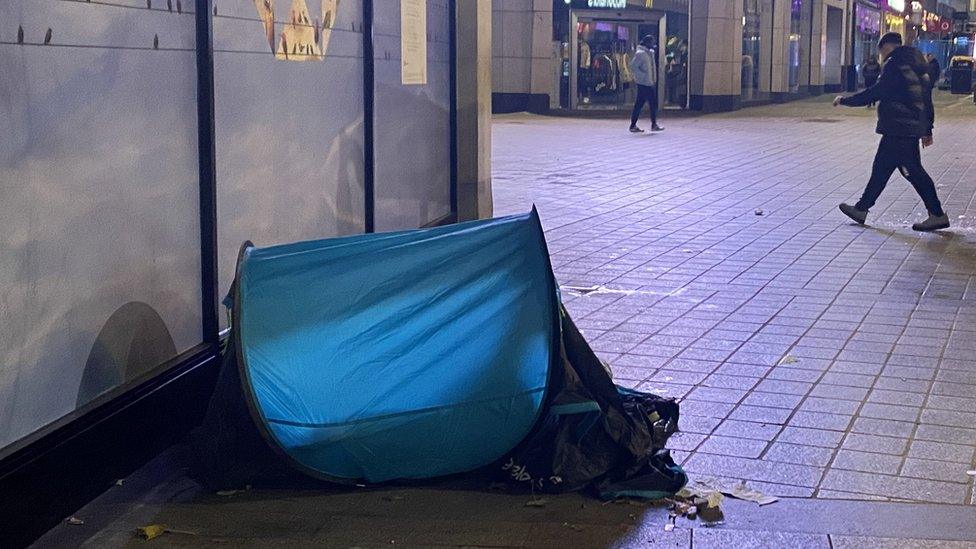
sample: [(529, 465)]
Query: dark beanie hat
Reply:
[(890, 38)]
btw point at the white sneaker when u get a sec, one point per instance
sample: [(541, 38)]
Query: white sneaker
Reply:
[(933, 223)]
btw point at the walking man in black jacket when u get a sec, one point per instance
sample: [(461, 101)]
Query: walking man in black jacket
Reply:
[(905, 116)]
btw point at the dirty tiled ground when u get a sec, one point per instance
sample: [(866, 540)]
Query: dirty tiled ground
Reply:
[(811, 356)]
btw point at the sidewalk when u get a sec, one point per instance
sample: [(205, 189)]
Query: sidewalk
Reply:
[(813, 358)]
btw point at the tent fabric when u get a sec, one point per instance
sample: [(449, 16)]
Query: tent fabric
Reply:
[(422, 354), (402, 355)]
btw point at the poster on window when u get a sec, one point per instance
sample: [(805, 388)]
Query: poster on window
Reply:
[(413, 42)]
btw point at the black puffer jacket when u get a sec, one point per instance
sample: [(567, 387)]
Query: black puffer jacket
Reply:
[(904, 93)]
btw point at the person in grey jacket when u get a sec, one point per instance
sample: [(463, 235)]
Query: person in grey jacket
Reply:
[(644, 68)]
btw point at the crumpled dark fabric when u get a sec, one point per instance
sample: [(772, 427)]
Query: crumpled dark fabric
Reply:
[(596, 435)]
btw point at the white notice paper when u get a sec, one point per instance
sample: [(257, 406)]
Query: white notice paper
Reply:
[(413, 41)]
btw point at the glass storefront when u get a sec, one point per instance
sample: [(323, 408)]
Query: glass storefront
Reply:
[(756, 55), (751, 49), (867, 32), (595, 47), (676, 61), (796, 34), (605, 48)]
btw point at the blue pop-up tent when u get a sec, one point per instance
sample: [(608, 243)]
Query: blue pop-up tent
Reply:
[(419, 354)]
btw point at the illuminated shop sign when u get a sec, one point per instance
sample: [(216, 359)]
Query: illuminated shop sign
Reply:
[(611, 4), (897, 5)]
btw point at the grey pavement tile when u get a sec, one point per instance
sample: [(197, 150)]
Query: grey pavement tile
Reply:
[(705, 408), (800, 454), (730, 381), (811, 437), (866, 461), (956, 376), (744, 370), (689, 423), (850, 380), (686, 441), (964, 390), (890, 411), (913, 361), (821, 420), (773, 400), (950, 418), (936, 470), (875, 443), (855, 496), (909, 372), (748, 429), (786, 387), (830, 405), (884, 427), (841, 392), (689, 365), (862, 542), (754, 470), (715, 394), (886, 396), (667, 375), (714, 538), (943, 433), (654, 349), (896, 487), (786, 373), (651, 536), (942, 451), (863, 368), (761, 414), (903, 385), (670, 390), (640, 361), (733, 446), (942, 402)]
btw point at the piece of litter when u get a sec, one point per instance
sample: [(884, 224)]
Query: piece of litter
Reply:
[(74, 521), (229, 493), (120, 482), (669, 527), (760, 212), (789, 359), (151, 531), (537, 503), (737, 490), (971, 473)]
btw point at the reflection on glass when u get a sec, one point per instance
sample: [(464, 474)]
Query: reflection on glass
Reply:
[(751, 49)]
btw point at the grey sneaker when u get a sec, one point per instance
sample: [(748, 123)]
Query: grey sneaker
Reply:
[(933, 223), (656, 128), (635, 129), (857, 215)]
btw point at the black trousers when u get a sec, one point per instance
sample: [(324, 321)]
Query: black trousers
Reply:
[(903, 154), (645, 94)]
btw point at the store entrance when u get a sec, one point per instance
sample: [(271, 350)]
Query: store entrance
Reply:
[(602, 49)]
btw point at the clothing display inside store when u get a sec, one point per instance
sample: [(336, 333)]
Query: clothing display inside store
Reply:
[(603, 70)]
